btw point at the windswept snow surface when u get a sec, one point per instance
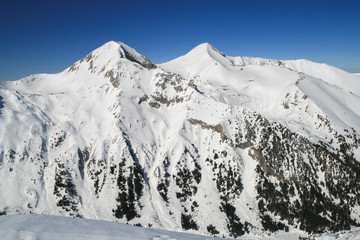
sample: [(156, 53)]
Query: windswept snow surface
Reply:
[(44, 227)]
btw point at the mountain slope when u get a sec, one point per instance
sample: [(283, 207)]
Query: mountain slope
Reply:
[(276, 89), (51, 227), (205, 143)]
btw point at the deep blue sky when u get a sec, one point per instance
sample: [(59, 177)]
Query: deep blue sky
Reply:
[(48, 36)]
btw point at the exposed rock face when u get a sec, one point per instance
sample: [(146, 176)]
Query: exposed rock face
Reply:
[(113, 137)]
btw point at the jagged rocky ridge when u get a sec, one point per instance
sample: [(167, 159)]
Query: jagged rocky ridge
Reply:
[(207, 143)]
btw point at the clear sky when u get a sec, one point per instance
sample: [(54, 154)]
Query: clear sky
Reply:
[(48, 36)]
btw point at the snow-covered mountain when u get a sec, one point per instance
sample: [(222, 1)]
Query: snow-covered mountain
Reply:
[(205, 143)]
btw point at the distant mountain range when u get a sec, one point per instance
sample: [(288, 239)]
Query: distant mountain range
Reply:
[(205, 143)]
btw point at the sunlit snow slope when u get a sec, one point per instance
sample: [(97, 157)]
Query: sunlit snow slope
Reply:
[(45, 227), (206, 143)]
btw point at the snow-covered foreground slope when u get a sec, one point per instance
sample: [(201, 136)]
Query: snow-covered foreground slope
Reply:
[(206, 143), (42, 227), (344, 235)]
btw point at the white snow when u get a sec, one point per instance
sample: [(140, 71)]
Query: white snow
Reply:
[(292, 92), (345, 235), (42, 227), (45, 227)]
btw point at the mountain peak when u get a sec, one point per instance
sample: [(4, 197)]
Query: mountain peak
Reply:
[(129, 53), (206, 48), (199, 58), (109, 55), (204, 45)]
